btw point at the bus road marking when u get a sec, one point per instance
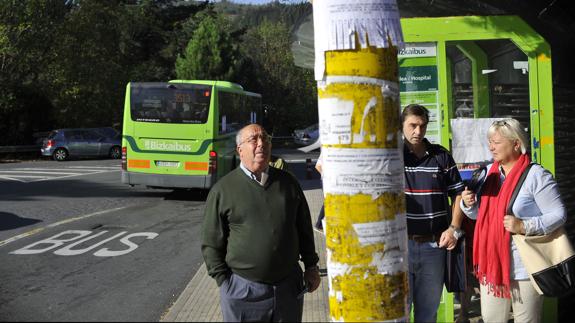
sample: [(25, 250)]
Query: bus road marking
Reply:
[(63, 248), (53, 225)]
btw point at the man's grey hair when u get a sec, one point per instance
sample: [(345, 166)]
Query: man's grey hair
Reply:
[(510, 129), (241, 131), (239, 137)]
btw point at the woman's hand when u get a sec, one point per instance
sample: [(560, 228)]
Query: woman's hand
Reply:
[(447, 240), (468, 197), (513, 224)]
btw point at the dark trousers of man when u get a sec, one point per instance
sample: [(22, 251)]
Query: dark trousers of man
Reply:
[(242, 300)]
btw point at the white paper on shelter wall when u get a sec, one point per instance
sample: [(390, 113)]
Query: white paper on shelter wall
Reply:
[(337, 21), (367, 171), (469, 139)]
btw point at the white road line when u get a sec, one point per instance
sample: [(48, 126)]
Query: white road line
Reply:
[(30, 176), (11, 179), (95, 167), (38, 169), (40, 172), (60, 177), (53, 225), (13, 174), (47, 169)]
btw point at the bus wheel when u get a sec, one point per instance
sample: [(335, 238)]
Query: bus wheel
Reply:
[(115, 152), (60, 154)]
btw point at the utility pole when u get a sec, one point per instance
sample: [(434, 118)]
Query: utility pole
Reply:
[(356, 44)]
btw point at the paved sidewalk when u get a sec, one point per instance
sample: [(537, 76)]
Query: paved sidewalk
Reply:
[(200, 301)]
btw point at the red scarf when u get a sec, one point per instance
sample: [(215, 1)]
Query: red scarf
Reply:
[(491, 243)]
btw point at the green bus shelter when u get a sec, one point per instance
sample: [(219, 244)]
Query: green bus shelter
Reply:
[(471, 68)]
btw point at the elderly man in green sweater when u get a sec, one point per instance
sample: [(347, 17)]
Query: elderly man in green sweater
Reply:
[(257, 227)]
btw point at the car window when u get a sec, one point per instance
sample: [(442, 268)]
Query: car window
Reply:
[(89, 135), (73, 135), (107, 132), (52, 134)]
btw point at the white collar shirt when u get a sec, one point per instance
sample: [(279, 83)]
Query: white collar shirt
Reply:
[(264, 176)]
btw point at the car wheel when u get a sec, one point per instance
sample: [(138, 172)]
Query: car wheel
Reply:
[(60, 154), (115, 152)]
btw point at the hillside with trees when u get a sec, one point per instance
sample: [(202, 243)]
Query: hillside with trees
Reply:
[(67, 63)]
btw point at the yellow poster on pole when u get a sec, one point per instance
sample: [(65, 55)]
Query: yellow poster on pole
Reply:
[(356, 44)]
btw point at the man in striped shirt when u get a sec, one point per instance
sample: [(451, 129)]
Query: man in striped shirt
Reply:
[(431, 176)]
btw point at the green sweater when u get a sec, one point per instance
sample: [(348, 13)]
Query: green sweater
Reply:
[(258, 232)]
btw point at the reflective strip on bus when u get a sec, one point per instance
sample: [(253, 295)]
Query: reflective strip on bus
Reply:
[(135, 163), (196, 166)]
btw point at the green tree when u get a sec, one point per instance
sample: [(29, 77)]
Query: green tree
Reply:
[(66, 63), (27, 31), (288, 90), (211, 54), (159, 31), (87, 73)]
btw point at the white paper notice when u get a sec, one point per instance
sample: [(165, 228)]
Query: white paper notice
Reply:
[(391, 233), (367, 171), (335, 121), (337, 21), (470, 143), (390, 262), (338, 269)]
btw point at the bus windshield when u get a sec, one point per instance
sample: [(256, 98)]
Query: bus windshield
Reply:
[(156, 102)]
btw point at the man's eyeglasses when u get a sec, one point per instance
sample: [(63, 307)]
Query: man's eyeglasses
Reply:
[(253, 140)]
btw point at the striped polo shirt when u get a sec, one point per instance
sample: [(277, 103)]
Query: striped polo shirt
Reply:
[(428, 182)]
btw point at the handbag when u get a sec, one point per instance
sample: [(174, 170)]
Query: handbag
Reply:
[(549, 259), (455, 277)]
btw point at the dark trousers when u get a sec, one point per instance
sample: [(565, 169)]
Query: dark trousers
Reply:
[(242, 300), (318, 223)]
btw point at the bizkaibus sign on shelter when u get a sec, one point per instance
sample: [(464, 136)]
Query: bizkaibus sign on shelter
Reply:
[(418, 50), (418, 82)]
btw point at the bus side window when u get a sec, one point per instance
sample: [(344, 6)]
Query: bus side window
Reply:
[(239, 110), (227, 112), (186, 111)]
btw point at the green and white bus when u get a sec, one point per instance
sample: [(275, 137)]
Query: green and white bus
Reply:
[(181, 134)]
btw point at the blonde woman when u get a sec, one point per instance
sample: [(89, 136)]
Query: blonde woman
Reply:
[(538, 209)]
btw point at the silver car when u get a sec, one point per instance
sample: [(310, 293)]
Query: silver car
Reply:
[(306, 136), (62, 144)]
